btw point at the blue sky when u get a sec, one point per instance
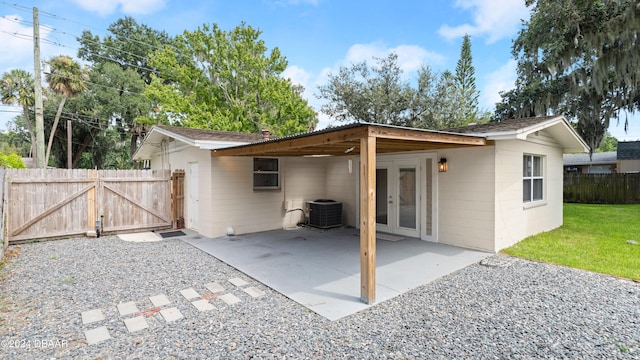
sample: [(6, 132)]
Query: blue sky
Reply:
[(316, 36)]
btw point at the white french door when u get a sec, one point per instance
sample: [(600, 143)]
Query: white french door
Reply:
[(398, 197)]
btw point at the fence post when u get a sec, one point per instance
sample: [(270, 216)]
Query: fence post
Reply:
[(91, 204)]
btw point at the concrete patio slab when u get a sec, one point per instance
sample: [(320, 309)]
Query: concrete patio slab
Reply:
[(321, 269), (229, 299), (159, 300), (238, 282), (171, 314), (147, 236), (97, 335), (127, 308), (214, 287), (91, 316), (203, 305), (189, 293), (136, 323), (253, 292)]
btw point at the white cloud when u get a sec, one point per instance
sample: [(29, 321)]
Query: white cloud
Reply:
[(106, 7), (495, 19), (410, 57), (19, 39), (502, 79)]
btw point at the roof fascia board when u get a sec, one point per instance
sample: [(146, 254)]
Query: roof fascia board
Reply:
[(523, 133)]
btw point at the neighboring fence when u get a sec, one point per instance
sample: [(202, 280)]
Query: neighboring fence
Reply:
[(602, 188), (50, 203), (4, 240)]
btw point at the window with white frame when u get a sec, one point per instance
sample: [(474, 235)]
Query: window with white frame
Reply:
[(532, 178), (266, 174)]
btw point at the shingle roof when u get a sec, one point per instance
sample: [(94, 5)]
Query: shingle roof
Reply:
[(628, 150), (502, 126), (201, 134), (604, 158)]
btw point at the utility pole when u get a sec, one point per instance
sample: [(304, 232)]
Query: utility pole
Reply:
[(38, 92)]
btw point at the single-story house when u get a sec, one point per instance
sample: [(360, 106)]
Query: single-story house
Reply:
[(598, 163), (628, 156), (483, 186)]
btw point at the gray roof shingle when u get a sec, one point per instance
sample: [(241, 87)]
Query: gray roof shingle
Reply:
[(502, 126), (603, 158), (209, 135), (628, 150)]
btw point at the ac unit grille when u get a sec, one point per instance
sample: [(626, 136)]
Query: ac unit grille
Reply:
[(325, 213)]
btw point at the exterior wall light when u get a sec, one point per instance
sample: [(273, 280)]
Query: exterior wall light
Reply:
[(442, 165)]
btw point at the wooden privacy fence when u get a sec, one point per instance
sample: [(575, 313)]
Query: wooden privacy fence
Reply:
[(602, 188), (48, 203)]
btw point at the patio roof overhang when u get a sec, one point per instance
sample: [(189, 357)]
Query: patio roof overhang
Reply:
[(345, 140), (366, 140)]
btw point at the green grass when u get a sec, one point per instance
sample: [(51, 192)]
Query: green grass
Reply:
[(593, 237)]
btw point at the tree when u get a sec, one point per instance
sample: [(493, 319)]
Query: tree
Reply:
[(609, 143), (373, 94), (465, 82), (129, 45), (113, 95), (578, 58), (378, 94), (17, 89), (67, 79), (226, 80)]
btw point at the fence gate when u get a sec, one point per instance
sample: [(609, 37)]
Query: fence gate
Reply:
[(48, 203), (178, 198)]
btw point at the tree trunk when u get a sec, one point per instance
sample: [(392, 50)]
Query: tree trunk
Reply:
[(53, 129), (81, 149)]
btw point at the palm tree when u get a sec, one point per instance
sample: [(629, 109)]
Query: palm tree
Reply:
[(16, 88), (65, 78)]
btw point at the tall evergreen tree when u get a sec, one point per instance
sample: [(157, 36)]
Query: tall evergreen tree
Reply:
[(465, 82)]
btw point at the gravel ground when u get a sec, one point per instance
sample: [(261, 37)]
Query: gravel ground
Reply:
[(516, 310)]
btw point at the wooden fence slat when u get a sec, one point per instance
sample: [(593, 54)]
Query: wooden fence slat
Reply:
[(33, 210), (136, 203), (62, 203), (602, 188)]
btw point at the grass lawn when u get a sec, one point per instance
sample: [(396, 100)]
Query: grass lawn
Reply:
[(593, 237)]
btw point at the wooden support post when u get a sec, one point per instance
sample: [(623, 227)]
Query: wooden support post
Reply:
[(91, 204), (368, 220)]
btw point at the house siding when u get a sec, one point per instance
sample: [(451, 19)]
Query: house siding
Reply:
[(246, 210), (514, 220), (466, 197), (176, 155), (341, 186), (627, 166)]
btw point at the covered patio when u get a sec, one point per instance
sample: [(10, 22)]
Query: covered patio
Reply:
[(320, 269), (367, 141)]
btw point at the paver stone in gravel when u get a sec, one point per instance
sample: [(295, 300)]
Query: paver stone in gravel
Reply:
[(189, 293), (136, 323), (159, 300), (96, 335), (230, 299), (171, 314), (214, 287), (91, 316), (203, 305), (238, 282), (127, 308), (254, 292)]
